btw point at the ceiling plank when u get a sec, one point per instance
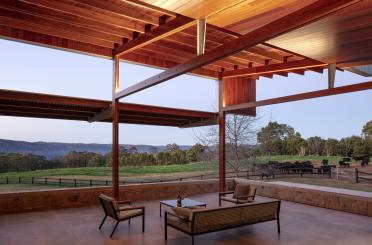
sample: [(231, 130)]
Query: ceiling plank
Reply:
[(91, 13), (299, 18), (36, 24), (50, 14)]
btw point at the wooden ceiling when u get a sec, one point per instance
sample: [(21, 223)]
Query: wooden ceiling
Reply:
[(25, 104), (99, 27), (343, 38)]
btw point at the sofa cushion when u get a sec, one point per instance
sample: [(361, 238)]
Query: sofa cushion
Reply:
[(183, 212), (183, 225), (255, 212), (241, 190), (216, 218)]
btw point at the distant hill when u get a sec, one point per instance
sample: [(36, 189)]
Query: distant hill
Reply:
[(52, 149)]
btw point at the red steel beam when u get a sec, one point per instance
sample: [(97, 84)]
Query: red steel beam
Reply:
[(303, 96), (299, 18)]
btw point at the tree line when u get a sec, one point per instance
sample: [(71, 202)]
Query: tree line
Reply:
[(17, 162), (282, 139)]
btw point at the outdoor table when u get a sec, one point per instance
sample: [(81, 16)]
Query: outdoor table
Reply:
[(186, 202)]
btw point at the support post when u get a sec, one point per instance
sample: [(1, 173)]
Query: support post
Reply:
[(221, 123), (331, 75), (201, 33), (115, 130)]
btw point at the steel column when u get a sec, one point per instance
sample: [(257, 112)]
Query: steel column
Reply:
[(221, 124), (115, 130)]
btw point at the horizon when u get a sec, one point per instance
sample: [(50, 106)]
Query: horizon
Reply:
[(70, 74)]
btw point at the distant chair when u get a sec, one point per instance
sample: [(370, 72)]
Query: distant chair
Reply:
[(243, 193), (119, 213)]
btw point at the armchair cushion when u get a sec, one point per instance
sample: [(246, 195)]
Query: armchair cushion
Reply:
[(241, 190), (114, 202), (125, 214)]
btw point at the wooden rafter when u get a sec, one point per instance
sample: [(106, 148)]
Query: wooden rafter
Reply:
[(299, 18), (275, 68), (302, 96), (158, 33)]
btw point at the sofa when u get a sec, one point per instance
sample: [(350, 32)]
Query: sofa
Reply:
[(197, 221)]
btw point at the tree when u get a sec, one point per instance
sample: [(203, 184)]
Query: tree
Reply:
[(330, 147), (240, 136), (294, 144), (272, 136), (367, 129), (315, 145), (195, 152)]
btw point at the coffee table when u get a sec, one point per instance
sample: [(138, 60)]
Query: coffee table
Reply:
[(186, 202)]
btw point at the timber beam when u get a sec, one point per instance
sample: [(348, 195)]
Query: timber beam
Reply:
[(202, 123), (275, 68), (169, 28), (303, 96), (101, 116), (306, 15)]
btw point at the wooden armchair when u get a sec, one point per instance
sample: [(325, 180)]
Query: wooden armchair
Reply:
[(118, 212), (242, 194)]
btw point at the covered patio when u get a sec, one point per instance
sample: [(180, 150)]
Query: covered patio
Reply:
[(232, 42), (301, 224)]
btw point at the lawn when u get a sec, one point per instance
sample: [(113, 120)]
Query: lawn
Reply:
[(128, 171), (107, 171)]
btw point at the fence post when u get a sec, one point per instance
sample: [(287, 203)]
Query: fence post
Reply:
[(74, 182), (301, 173), (90, 182), (46, 180), (60, 182), (7, 180), (19, 180), (32, 180), (356, 175), (106, 183)]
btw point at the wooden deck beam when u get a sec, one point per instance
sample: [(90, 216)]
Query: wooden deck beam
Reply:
[(274, 68), (299, 18)]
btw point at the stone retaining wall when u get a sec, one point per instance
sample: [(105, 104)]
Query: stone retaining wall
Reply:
[(342, 202), (75, 197)]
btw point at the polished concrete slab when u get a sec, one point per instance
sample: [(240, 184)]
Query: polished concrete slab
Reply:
[(301, 224)]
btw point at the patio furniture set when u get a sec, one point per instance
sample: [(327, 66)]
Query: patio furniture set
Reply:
[(194, 218)]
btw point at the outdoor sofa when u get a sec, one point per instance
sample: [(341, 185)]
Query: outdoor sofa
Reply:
[(199, 221)]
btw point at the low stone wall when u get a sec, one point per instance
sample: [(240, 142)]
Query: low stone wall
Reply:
[(325, 199), (65, 198)]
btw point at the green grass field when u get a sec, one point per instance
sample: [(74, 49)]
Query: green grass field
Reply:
[(165, 169), (107, 171)]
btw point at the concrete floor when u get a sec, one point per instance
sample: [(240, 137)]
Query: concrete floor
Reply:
[(301, 224)]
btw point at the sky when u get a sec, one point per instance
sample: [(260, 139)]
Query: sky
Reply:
[(32, 68)]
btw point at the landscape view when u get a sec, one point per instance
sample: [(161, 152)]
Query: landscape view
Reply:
[(274, 152)]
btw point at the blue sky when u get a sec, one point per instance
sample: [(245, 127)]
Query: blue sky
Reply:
[(37, 69)]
